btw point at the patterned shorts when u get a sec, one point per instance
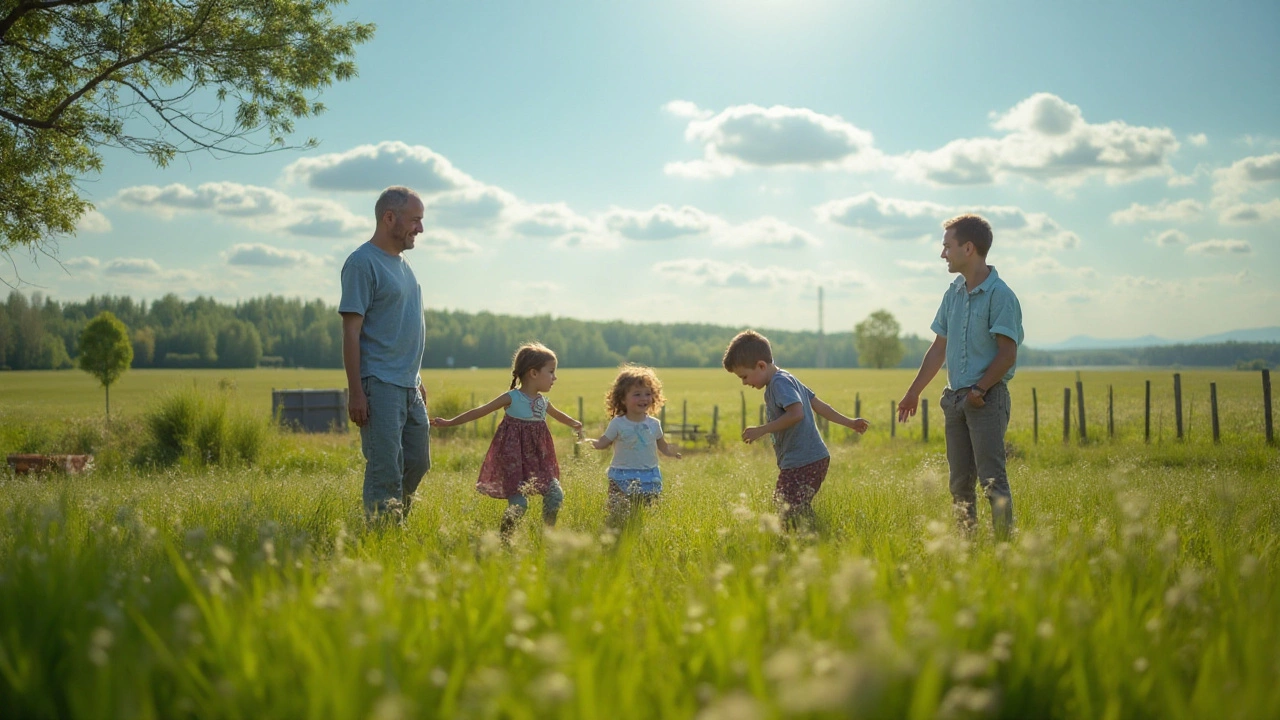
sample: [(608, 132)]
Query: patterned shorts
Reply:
[(797, 486)]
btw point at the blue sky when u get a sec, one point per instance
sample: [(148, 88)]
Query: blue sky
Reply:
[(718, 161)]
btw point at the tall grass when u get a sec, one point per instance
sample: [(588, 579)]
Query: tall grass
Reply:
[(1141, 583), (199, 427)]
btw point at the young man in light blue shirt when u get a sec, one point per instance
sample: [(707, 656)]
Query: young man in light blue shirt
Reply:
[(383, 339), (978, 330)]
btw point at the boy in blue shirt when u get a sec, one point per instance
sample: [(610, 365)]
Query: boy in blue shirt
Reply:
[(789, 407)]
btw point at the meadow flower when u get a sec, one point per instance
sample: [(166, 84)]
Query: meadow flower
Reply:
[(736, 705), (552, 688), (963, 701), (100, 641), (970, 667)]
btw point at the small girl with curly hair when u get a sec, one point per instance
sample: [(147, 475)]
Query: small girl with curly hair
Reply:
[(522, 456), (636, 437)]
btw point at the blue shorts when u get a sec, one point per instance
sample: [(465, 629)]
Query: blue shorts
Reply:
[(647, 482)]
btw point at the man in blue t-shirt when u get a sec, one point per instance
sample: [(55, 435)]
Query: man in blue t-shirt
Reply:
[(978, 330), (383, 338)]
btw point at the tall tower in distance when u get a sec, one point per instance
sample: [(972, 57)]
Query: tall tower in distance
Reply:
[(822, 338)]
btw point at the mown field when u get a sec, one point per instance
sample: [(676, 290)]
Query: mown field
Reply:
[(1141, 581)]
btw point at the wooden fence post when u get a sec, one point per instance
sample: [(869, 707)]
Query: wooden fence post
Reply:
[(857, 405), (1177, 402), (582, 418), (1111, 413), (924, 419), (1084, 433), (743, 394), (1066, 415), (715, 423), (1213, 409), (1146, 417), (893, 419), (1266, 405), (684, 419), (1035, 417)]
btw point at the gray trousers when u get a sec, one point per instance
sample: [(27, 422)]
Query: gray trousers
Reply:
[(396, 446), (975, 452)]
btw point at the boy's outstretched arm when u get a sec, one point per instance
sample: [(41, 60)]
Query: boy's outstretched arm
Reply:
[(501, 401), (791, 415), (665, 449), (555, 413), (858, 425)]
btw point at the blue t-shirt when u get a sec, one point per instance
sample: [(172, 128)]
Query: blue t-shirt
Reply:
[(635, 444), (799, 444), (382, 288), (970, 320), (523, 407)]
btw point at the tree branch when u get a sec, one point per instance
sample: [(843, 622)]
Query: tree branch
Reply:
[(16, 14)]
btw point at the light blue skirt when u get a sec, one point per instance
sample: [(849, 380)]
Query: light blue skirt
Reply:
[(646, 482)]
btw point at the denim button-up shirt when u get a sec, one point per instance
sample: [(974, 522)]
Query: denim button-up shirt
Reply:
[(970, 321)]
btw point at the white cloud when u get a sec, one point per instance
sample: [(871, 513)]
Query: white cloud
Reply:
[(747, 136), (254, 206), (1045, 265), (259, 255), (713, 273), (372, 168), (1243, 174), (1048, 140), (446, 245), (472, 207), (93, 222), (1198, 139), (686, 109), (1236, 188), (1187, 210), (897, 219), (547, 220), (1220, 247), (1170, 238), (1249, 213), (663, 222), (766, 231), (923, 267), (132, 266), (84, 262), (887, 218)]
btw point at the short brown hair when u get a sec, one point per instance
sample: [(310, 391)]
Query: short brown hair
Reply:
[(629, 376), (746, 349), (971, 228)]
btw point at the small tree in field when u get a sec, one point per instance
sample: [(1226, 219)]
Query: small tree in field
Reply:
[(105, 351), (877, 340)]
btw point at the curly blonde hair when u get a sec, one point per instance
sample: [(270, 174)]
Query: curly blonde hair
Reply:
[(615, 401)]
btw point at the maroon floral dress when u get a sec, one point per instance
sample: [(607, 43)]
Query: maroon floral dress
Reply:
[(522, 457)]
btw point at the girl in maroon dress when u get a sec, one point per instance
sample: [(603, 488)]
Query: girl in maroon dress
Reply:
[(522, 457)]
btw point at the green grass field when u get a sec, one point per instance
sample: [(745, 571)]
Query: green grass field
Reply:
[(1141, 581)]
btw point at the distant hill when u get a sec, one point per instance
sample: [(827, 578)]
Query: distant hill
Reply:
[(1088, 342)]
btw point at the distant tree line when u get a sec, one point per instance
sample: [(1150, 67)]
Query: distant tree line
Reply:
[(40, 333)]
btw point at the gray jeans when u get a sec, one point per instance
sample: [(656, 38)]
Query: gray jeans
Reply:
[(396, 446), (975, 452)]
